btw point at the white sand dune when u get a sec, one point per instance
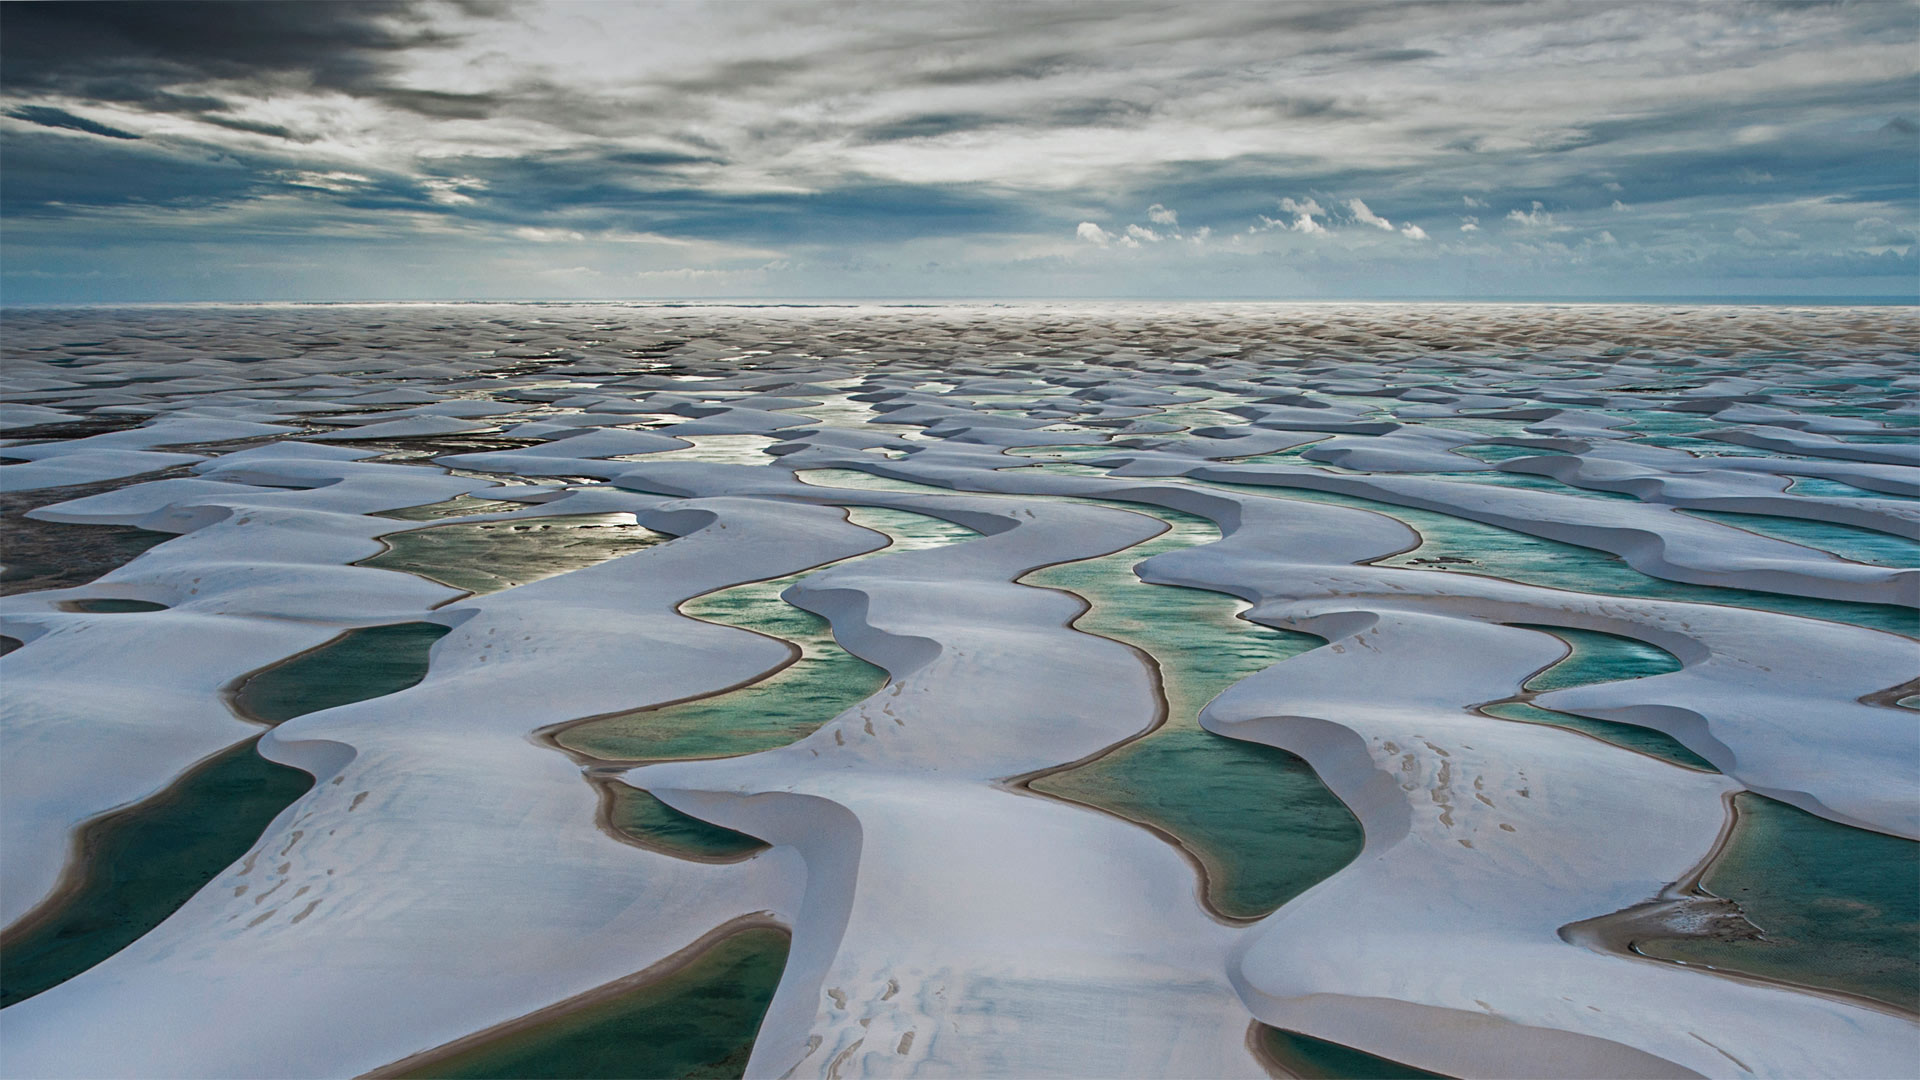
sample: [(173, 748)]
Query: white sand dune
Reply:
[(1651, 538), (450, 871)]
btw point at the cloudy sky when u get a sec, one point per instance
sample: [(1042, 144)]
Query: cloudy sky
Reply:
[(162, 151)]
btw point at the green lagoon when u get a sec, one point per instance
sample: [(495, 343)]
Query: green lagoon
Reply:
[(696, 1023), (644, 819), (1846, 541), (1838, 907), (488, 556), (142, 863), (358, 665), (1256, 817), (1307, 1058)]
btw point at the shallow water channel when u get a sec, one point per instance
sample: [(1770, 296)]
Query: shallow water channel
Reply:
[(1307, 1058), (1847, 541), (370, 662), (1257, 818), (1596, 657)]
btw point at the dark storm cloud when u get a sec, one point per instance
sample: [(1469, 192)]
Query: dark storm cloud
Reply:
[(1103, 112), (616, 190), (1023, 70), (653, 159), (50, 175), (47, 116), (276, 131), (618, 181), (868, 212), (132, 52), (439, 104), (1400, 56), (1321, 108), (1706, 119)]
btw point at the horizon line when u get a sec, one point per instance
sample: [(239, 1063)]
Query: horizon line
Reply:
[(1690, 299)]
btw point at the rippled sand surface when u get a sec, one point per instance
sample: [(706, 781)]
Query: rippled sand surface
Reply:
[(1090, 690)]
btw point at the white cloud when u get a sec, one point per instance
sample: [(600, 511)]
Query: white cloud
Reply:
[(1413, 232), (1604, 237), (1881, 227), (1613, 185), (326, 181), (548, 236), (1618, 206), (1878, 235), (684, 274), (1537, 218), (1768, 238), (1134, 235), (1469, 224), (1473, 203), (452, 192), (1368, 217), (1303, 211), (1093, 234)]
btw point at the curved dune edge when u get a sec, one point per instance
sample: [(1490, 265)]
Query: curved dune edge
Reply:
[(1275, 1067), (1479, 1044), (603, 819)]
